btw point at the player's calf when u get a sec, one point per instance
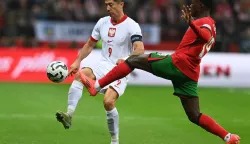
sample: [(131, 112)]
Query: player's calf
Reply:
[(192, 109), (112, 114)]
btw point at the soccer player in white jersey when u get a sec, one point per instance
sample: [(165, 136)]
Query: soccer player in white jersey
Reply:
[(121, 36)]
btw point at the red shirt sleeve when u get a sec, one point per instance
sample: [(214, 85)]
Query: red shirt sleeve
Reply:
[(93, 39), (202, 32)]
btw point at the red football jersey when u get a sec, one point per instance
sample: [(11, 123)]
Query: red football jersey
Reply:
[(193, 47)]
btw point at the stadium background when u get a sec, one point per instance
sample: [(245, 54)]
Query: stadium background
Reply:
[(36, 32)]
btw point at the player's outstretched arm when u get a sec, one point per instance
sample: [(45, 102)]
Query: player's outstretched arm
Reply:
[(138, 48), (202, 32), (84, 52), (86, 49)]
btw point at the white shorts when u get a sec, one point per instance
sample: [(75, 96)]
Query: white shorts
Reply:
[(119, 85)]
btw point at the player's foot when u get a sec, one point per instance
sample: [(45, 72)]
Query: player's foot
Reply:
[(89, 84), (64, 118), (234, 139), (114, 142)]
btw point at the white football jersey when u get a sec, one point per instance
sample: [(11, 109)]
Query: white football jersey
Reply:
[(116, 38)]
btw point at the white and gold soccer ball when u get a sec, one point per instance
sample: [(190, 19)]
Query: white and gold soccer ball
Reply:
[(57, 71)]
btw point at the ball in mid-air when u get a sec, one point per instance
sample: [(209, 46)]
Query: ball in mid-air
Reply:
[(57, 71)]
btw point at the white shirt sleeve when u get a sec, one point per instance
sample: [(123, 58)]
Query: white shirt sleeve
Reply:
[(134, 29), (95, 36)]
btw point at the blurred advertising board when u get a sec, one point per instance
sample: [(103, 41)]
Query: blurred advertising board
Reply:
[(80, 31), (29, 65)]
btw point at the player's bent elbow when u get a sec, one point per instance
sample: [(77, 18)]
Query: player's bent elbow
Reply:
[(207, 40), (141, 51)]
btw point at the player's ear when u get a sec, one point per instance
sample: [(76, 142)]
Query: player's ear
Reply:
[(202, 5), (122, 4)]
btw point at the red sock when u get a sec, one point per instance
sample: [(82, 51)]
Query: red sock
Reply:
[(116, 73), (211, 126)]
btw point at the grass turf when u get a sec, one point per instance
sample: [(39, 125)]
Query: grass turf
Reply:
[(148, 115)]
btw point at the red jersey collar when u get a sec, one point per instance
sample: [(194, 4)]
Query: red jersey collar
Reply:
[(120, 21)]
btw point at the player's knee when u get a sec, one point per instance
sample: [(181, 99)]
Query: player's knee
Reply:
[(193, 117), (109, 99), (132, 60), (109, 104)]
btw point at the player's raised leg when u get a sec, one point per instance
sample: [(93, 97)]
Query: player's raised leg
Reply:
[(74, 95), (192, 109), (112, 114), (118, 72), (123, 69)]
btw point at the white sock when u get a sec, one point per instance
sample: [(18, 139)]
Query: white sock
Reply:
[(113, 124), (227, 137), (97, 85), (74, 95)]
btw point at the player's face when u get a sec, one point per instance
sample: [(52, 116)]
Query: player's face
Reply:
[(195, 8), (114, 8)]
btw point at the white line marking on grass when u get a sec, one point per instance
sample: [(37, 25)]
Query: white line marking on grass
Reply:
[(247, 92), (231, 90), (126, 118), (81, 117), (234, 90)]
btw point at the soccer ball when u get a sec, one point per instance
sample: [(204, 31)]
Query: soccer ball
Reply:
[(57, 71)]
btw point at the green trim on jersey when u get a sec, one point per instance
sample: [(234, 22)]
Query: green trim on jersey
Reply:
[(163, 66)]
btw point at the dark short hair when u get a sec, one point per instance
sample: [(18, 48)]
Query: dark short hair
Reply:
[(119, 1), (208, 4)]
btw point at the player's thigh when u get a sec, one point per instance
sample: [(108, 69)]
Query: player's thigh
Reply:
[(185, 87), (114, 91), (190, 104), (118, 86), (186, 90), (139, 62), (192, 108), (162, 65), (88, 72)]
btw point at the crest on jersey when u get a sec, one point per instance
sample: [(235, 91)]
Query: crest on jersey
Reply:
[(112, 32)]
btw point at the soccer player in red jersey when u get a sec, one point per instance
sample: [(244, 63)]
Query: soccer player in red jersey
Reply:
[(182, 67)]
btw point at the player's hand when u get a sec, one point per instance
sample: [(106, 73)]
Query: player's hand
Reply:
[(120, 61), (186, 14), (74, 68)]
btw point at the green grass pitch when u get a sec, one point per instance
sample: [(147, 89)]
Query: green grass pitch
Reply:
[(148, 115)]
